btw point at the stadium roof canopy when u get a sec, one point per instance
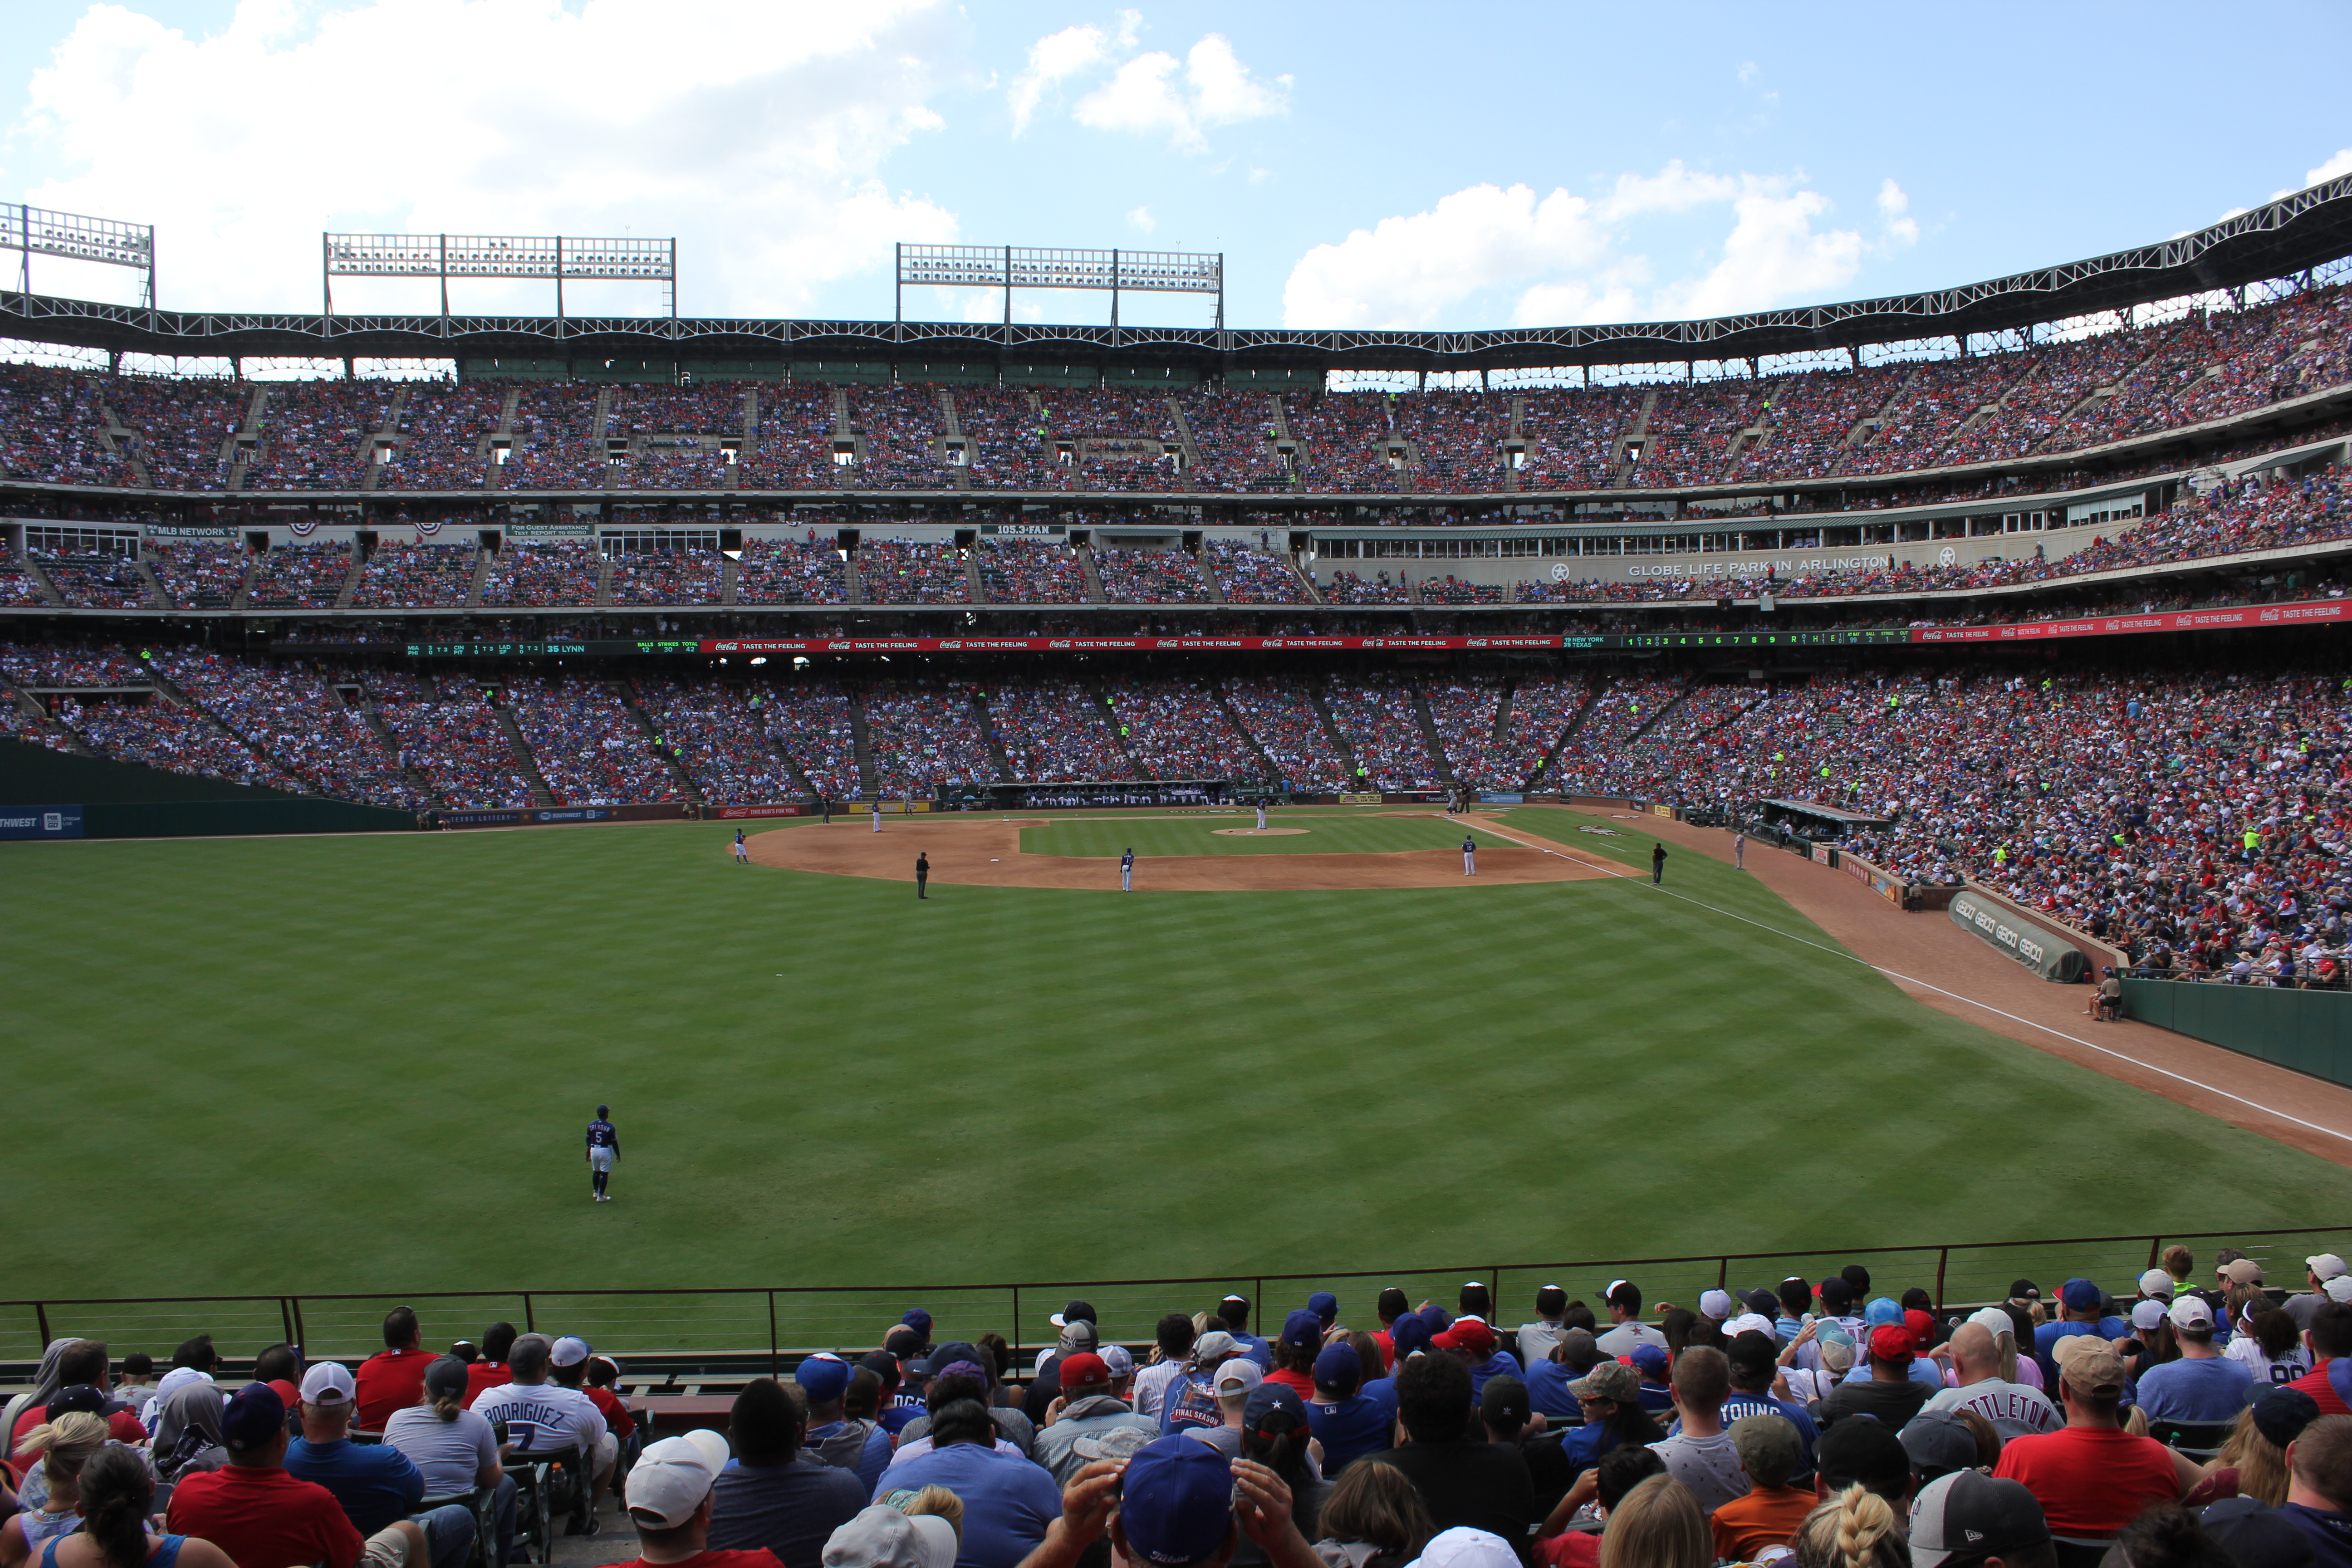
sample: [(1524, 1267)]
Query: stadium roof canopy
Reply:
[(2280, 239)]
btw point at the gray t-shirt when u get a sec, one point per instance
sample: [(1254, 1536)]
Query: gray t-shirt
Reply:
[(449, 1454), (1709, 1466), (1225, 1440), (1535, 1341), (2013, 1410), (1626, 1338)]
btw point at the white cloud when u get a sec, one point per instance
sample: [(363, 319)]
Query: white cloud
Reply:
[(763, 156), (1140, 217), (2339, 164), (1562, 259), (1747, 72), (1151, 93)]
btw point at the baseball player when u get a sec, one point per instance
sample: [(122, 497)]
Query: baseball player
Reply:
[(1469, 855), (603, 1149), (1657, 865), (1740, 851), (1127, 871), (922, 875), (742, 850), (1261, 814), (877, 814)]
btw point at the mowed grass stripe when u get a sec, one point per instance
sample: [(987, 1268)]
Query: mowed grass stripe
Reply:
[(1200, 836), (364, 1064)]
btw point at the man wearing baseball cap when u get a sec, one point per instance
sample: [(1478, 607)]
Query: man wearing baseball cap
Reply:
[(1349, 1423), (1192, 1399), (1889, 1393), (2092, 1478), (1235, 1379), (2079, 1302), (453, 1447), (2204, 1384), (1966, 1517), (860, 1447), (1627, 1330), (2329, 1340), (1474, 1342), (394, 1378), (252, 1509), (1077, 1335), (1535, 1339), (544, 1418), (669, 1499), (1295, 1351), (375, 1483), (1087, 1410), (2317, 1271)]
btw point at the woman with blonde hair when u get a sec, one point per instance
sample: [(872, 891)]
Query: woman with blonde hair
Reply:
[(2253, 1463), (117, 1494), (1658, 1524), (932, 1499), (1856, 1528), (60, 1448)]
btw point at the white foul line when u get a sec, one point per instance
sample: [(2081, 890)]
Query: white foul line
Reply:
[(1908, 980)]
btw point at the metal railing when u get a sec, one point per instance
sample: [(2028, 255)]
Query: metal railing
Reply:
[(777, 1324)]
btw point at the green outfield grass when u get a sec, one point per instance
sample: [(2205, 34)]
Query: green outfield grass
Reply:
[(1326, 833), (364, 1063)]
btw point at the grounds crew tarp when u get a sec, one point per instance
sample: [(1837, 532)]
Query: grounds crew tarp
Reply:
[(2048, 956)]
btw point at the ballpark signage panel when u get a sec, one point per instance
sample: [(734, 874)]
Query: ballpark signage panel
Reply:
[(2045, 954), (40, 822), (2306, 613)]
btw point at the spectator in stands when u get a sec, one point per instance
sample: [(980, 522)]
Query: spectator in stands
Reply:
[(1349, 1423), (1480, 1485), (2328, 1339), (1170, 1360), (958, 1370), (1626, 1329), (188, 1432), (1701, 1455), (2253, 1463), (2319, 1487), (45, 1382), (2267, 1342), (117, 1498), (1535, 1340), (2080, 1301), (57, 1449), (670, 1497), (2092, 1478), (1078, 1336), (1769, 1511), (490, 1372), (1752, 1364), (2202, 1384), (375, 1483), (1295, 1353), (1087, 1421), (453, 1447), (2013, 1410), (81, 1364), (394, 1378), (1967, 1519), (1008, 1502), (1890, 1393), (1866, 1454), (861, 1446), (595, 1376), (2317, 1271), (542, 1417), (257, 1512), (772, 1494), (278, 1364), (1548, 1380), (1274, 1433), (1610, 1396), (1374, 1517), (1235, 1379), (1658, 1524), (1471, 1339)]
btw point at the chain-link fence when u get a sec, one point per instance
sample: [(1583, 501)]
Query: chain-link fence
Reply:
[(787, 1321)]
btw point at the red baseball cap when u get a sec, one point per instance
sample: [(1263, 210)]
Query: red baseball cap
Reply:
[(1891, 1341), (1083, 1369), (1921, 1324), (1467, 1335)]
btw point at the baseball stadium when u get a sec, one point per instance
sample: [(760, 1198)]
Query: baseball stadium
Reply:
[(996, 819)]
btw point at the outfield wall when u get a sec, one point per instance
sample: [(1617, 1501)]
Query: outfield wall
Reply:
[(50, 795), (2309, 1031)]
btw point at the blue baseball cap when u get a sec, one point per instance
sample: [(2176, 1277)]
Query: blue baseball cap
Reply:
[(1268, 1398), (921, 1322), (1651, 1359), (822, 1377), (1302, 1329), (1175, 1502), (1882, 1310), (1436, 1317), (1325, 1306), (2079, 1295), (1410, 1333), (945, 1356), (252, 1418), (1338, 1368)]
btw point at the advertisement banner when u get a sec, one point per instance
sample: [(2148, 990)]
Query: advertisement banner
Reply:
[(1824, 855), (1665, 811), (1361, 799), (2046, 955), (2307, 613), (188, 531), (40, 822), (729, 813), (1490, 797)]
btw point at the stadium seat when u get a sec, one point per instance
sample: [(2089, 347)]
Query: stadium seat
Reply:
[(2201, 1440), (482, 1503)]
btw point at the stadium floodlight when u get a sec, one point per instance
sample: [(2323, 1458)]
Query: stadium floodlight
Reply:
[(1010, 267), (447, 256), (33, 231)]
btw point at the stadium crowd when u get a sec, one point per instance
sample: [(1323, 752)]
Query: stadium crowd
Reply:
[(2174, 1418), (1031, 571), (1149, 576), (1056, 732), (416, 576)]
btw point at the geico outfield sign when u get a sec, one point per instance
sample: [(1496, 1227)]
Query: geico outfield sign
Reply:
[(2048, 956)]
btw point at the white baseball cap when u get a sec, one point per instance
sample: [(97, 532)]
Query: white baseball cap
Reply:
[(2192, 1312), (1462, 1547), (1118, 1359), (2325, 1266), (2155, 1283), (1994, 1321), (672, 1477), (882, 1536), (328, 1384), (2145, 1315), (2338, 1289), (1748, 1323), (569, 1351), (1715, 1304), (1239, 1375)]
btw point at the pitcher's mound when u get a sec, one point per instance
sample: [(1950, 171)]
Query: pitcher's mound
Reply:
[(1254, 832)]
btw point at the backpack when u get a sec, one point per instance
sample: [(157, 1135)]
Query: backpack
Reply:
[(845, 1447)]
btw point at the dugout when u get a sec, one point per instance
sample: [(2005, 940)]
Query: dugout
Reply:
[(1070, 796), (1810, 819)]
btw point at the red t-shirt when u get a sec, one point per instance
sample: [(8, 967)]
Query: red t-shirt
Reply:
[(1387, 1342), (1568, 1549), (617, 1419), (387, 1382), (1304, 1382), (757, 1557), (2091, 1481), (2323, 1393), (482, 1377), (260, 1516), (122, 1426)]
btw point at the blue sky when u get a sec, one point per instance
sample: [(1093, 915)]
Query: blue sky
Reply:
[(1361, 165)]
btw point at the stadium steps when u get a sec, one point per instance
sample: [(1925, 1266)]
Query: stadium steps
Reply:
[(124, 442), (1654, 719), (1592, 694), (42, 580), (344, 594), (1267, 770), (1989, 412), (244, 439), (1112, 727), (861, 743), (1350, 769), (177, 696), (627, 692), (1503, 704), (1638, 431), (1207, 571), (807, 785), (487, 449), (1306, 580), (951, 429), (417, 781), (853, 591), (1866, 430), (2098, 395), (387, 434), (1003, 764), (604, 581), (155, 594), (525, 763), (730, 574), (244, 593), (974, 581), (1095, 594), (483, 560), (1184, 438), (1430, 737)]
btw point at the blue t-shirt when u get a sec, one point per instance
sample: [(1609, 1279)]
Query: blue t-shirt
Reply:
[(1548, 1383), (872, 1460), (374, 1481), (2185, 1390), (1189, 1404), (1922, 1370), (1739, 1403), (1501, 1363), (2047, 1335), (1256, 1349), (1359, 1425), (1582, 1446), (1007, 1501)]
